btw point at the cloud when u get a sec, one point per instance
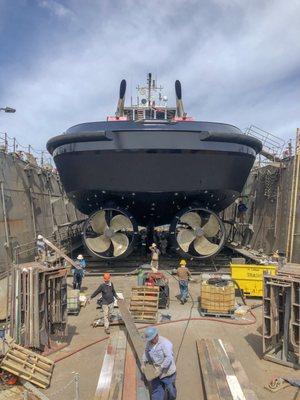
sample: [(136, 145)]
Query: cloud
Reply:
[(56, 8), (238, 62)]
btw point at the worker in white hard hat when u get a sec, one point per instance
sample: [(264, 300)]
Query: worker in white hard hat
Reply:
[(159, 353), (41, 248), (154, 256), (81, 260), (183, 274), (78, 271)]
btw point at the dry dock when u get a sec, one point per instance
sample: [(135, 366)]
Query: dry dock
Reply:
[(246, 340)]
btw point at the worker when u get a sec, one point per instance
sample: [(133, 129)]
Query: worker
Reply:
[(241, 210), (82, 262), (183, 274), (41, 248), (78, 273), (159, 353), (154, 255), (108, 295)]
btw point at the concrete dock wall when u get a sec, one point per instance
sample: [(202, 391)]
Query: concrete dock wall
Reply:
[(32, 202), (267, 195)]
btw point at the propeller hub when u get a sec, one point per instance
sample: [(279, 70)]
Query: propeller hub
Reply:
[(109, 233), (199, 231)]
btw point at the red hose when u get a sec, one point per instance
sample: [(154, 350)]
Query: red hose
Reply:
[(159, 324)]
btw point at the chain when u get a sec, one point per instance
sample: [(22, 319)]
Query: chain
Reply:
[(271, 179)]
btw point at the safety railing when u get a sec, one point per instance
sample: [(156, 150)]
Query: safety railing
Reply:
[(272, 145), (11, 145)]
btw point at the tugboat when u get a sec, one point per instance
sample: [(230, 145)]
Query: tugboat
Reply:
[(151, 165)]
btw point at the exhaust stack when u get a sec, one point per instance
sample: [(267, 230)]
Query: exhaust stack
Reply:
[(121, 102), (179, 103)]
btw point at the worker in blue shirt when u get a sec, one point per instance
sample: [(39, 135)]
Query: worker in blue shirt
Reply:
[(78, 272), (159, 352)]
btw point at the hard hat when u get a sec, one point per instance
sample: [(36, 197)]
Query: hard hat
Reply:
[(153, 245), (80, 257), (106, 276), (150, 333), (182, 262), (40, 237)]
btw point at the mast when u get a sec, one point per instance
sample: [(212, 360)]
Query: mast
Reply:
[(149, 89)]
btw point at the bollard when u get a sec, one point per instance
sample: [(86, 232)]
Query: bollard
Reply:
[(76, 379)]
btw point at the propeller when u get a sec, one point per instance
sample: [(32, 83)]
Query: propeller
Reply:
[(101, 235), (200, 233)]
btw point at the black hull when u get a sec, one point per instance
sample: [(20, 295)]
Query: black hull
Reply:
[(153, 171)]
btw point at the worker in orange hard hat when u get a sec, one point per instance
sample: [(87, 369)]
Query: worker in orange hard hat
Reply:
[(108, 297)]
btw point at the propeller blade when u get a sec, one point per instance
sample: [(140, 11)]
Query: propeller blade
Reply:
[(98, 222), (99, 244), (192, 219), (212, 227), (185, 238), (120, 222), (120, 243), (205, 247)]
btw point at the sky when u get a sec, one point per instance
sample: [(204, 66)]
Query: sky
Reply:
[(61, 61)]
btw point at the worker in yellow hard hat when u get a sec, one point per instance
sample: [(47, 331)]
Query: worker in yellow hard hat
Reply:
[(183, 274)]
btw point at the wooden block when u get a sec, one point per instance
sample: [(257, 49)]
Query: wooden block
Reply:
[(105, 377), (116, 388), (208, 382), (129, 387)]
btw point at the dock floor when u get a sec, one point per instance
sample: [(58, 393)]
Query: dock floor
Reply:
[(246, 340)]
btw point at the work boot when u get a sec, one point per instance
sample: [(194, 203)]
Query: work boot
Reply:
[(181, 301), (107, 331)]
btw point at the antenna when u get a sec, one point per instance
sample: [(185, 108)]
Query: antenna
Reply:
[(149, 88)]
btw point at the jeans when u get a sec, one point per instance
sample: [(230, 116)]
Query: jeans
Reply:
[(183, 287), (164, 385), (108, 309), (77, 281)]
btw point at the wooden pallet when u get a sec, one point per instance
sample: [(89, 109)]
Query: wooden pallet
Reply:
[(28, 365), (120, 378), (144, 304), (223, 377)]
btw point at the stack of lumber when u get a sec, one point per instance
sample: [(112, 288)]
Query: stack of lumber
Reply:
[(28, 365), (223, 376), (217, 300), (120, 379), (144, 303)]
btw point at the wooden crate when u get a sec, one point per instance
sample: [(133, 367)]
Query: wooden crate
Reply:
[(144, 303), (214, 299), (28, 365)]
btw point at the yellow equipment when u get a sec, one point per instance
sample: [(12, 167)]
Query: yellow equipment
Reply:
[(250, 277)]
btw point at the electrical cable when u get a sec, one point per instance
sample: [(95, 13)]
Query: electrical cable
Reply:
[(188, 320)]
